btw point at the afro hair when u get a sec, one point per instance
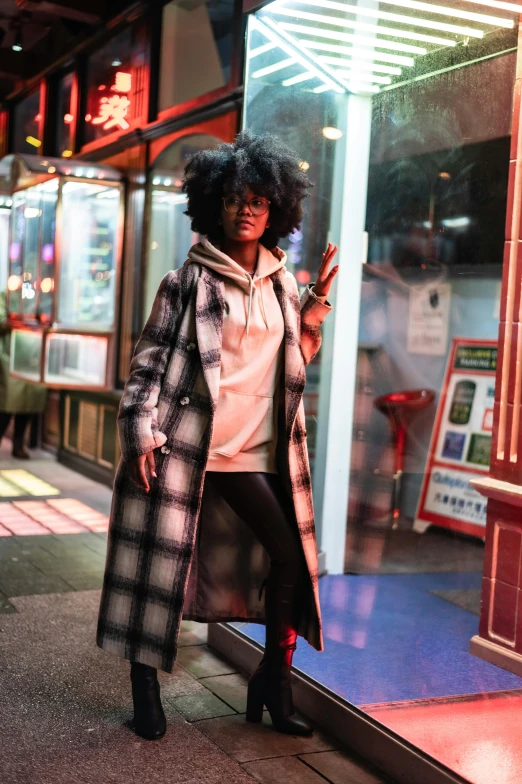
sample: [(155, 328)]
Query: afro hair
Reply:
[(262, 163)]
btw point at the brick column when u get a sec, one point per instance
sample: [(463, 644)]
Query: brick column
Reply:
[(500, 633)]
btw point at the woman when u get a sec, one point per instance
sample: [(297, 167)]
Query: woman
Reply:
[(213, 490)]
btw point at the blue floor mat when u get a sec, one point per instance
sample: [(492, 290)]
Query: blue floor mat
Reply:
[(388, 639)]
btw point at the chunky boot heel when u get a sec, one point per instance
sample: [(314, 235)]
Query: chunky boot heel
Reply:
[(254, 711), (149, 719)]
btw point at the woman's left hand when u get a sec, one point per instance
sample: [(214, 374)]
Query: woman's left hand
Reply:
[(325, 277)]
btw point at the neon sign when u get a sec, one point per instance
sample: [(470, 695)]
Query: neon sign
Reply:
[(113, 109)]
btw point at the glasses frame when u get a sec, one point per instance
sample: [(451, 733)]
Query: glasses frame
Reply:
[(243, 202)]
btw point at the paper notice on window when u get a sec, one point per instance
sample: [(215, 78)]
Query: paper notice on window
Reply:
[(428, 320)]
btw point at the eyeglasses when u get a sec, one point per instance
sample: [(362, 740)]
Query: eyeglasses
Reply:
[(257, 205)]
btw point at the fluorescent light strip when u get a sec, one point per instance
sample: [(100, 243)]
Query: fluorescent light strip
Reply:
[(340, 62), (260, 50), (516, 9), (302, 77), (267, 30), (410, 21), (321, 89), (456, 13), (273, 68), (382, 57), (362, 40), (349, 76), (363, 88), (369, 28)]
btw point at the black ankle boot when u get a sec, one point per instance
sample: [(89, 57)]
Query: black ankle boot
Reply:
[(149, 718), (270, 684)]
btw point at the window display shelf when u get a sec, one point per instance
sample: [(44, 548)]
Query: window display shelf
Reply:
[(65, 243)]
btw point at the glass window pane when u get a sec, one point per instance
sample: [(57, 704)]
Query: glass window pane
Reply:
[(90, 225), (196, 50), (170, 235), (112, 87), (26, 353), (65, 116), (26, 119), (75, 360)]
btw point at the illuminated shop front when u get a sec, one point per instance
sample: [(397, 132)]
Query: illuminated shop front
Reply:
[(402, 113)]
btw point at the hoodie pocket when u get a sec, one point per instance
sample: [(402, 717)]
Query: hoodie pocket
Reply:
[(241, 422)]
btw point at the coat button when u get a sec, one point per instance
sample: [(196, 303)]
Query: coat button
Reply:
[(184, 401), (191, 347), (165, 450)]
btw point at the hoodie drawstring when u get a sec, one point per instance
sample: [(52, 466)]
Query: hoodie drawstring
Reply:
[(261, 302)]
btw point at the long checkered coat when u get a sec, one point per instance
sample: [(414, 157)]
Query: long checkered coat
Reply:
[(177, 552)]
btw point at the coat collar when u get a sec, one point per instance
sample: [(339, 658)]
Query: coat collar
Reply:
[(210, 303)]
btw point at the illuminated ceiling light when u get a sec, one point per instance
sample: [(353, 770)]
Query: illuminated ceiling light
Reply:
[(68, 118), (32, 212), (273, 68), (66, 153), (332, 133), (362, 40), (411, 21), (267, 29), (116, 62), (365, 77), (17, 44), (304, 165), (34, 142), (383, 57), (342, 63), (321, 89), (363, 88), (517, 9), (456, 13), (51, 169), (302, 77), (370, 28), (261, 50)]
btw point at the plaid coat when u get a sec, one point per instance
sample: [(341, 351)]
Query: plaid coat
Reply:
[(177, 552)]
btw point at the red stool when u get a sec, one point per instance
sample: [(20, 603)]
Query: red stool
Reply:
[(396, 406)]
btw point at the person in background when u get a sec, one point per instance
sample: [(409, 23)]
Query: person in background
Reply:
[(18, 398)]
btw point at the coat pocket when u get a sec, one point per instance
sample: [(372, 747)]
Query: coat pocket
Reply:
[(241, 422)]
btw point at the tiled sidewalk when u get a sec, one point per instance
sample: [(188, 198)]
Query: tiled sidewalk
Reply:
[(67, 704)]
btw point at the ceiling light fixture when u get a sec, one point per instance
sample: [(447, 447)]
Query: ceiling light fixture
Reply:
[(397, 59), (116, 62), (260, 50), (342, 63), (456, 13), (369, 28), (17, 43), (361, 40), (273, 68), (349, 76), (329, 132), (411, 21), (302, 77)]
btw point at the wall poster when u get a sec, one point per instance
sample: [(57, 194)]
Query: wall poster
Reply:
[(461, 441)]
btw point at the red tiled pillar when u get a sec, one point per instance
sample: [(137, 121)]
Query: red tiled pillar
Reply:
[(500, 633)]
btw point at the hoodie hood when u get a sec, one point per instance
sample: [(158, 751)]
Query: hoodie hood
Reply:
[(268, 262)]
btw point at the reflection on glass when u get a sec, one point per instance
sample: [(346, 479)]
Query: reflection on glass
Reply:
[(196, 50), (65, 116), (26, 122), (26, 352), (88, 254), (75, 360)]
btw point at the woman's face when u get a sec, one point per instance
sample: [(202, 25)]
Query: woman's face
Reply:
[(239, 221)]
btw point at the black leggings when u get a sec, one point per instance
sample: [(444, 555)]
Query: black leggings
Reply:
[(261, 502)]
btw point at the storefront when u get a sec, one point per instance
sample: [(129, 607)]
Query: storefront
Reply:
[(404, 117)]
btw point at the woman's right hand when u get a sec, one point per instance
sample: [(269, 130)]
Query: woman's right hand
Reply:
[(137, 470)]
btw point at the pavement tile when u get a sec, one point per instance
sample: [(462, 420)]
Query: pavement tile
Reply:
[(178, 683), (289, 770), (245, 741), (68, 564), (84, 582), (192, 633), (232, 689), (201, 705), (339, 768), (200, 661), (5, 606), (30, 585)]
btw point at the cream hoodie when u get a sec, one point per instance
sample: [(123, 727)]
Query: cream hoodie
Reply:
[(245, 424)]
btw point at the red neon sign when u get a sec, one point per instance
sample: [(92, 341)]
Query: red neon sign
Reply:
[(113, 109)]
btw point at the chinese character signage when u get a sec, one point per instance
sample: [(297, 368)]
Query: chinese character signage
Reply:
[(113, 106), (461, 441)]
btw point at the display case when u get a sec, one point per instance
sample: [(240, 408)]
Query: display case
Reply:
[(65, 241)]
